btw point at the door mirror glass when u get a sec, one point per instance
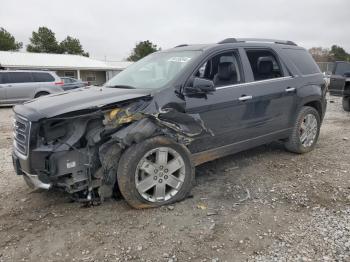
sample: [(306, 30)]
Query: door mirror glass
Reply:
[(201, 85)]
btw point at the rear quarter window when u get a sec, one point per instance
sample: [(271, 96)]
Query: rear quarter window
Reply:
[(303, 61), (43, 77), (67, 81)]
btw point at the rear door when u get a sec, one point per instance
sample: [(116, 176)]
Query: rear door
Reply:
[(42, 82), (273, 94), (20, 87)]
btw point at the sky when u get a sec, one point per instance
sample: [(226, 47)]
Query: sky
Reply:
[(109, 29)]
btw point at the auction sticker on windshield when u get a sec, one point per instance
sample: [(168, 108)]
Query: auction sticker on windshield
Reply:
[(179, 59)]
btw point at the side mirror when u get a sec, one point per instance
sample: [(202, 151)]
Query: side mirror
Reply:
[(201, 85)]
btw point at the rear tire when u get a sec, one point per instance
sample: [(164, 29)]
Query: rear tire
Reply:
[(346, 104), (41, 94), (305, 132), (146, 176)]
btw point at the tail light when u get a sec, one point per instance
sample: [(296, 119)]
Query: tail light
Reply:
[(59, 83)]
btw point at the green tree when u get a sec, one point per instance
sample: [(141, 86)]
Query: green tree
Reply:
[(43, 41), (72, 45), (339, 54), (142, 49), (8, 42)]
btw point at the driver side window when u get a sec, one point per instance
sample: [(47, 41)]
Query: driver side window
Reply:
[(223, 69)]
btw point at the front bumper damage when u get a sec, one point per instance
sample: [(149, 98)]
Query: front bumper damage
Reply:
[(79, 153), (35, 182), (32, 180)]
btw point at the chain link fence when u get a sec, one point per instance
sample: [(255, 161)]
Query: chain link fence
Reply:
[(326, 67)]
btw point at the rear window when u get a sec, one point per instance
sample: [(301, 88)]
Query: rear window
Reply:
[(303, 61), (43, 77), (341, 68), (19, 77), (67, 80)]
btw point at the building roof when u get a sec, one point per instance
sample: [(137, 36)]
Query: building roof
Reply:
[(119, 64), (23, 60)]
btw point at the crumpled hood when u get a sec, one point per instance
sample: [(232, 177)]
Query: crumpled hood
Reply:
[(75, 100)]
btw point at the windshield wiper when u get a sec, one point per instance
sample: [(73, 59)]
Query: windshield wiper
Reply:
[(122, 86)]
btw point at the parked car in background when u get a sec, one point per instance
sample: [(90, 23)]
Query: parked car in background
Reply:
[(18, 86), (340, 82), (339, 78), (147, 128), (72, 83)]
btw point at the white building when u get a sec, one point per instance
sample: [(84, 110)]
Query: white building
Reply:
[(87, 69)]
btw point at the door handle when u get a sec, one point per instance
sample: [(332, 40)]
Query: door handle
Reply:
[(245, 98), (290, 89)]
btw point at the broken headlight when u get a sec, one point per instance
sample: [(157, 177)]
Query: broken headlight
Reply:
[(53, 131)]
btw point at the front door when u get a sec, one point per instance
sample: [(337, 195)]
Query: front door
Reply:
[(221, 111)]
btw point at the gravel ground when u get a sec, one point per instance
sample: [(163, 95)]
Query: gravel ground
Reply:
[(264, 204)]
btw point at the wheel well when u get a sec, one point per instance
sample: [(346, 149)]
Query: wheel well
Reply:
[(41, 93), (317, 105)]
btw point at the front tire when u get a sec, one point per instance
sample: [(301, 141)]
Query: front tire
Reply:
[(346, 104), (305, 132), (155, 172)]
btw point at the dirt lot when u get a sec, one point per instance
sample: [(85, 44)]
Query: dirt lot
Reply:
[(260, 205)]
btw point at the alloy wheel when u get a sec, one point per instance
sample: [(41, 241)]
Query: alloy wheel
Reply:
[(160, 174), (308, 130)]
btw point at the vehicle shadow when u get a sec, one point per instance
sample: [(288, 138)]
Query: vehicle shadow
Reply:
[(239, 160)]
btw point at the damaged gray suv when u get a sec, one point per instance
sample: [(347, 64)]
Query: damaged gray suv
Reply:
[(144, 131)]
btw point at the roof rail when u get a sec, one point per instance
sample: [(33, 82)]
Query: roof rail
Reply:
[(228, 41), (257, 40), (181, 45)]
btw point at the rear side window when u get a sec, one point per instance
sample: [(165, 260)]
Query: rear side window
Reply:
[(19, 77), (67, 80), (43, 77), (264, 64), (303, 61), (342, 68)]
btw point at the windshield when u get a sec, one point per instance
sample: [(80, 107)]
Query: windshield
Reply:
[(153, 71)]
